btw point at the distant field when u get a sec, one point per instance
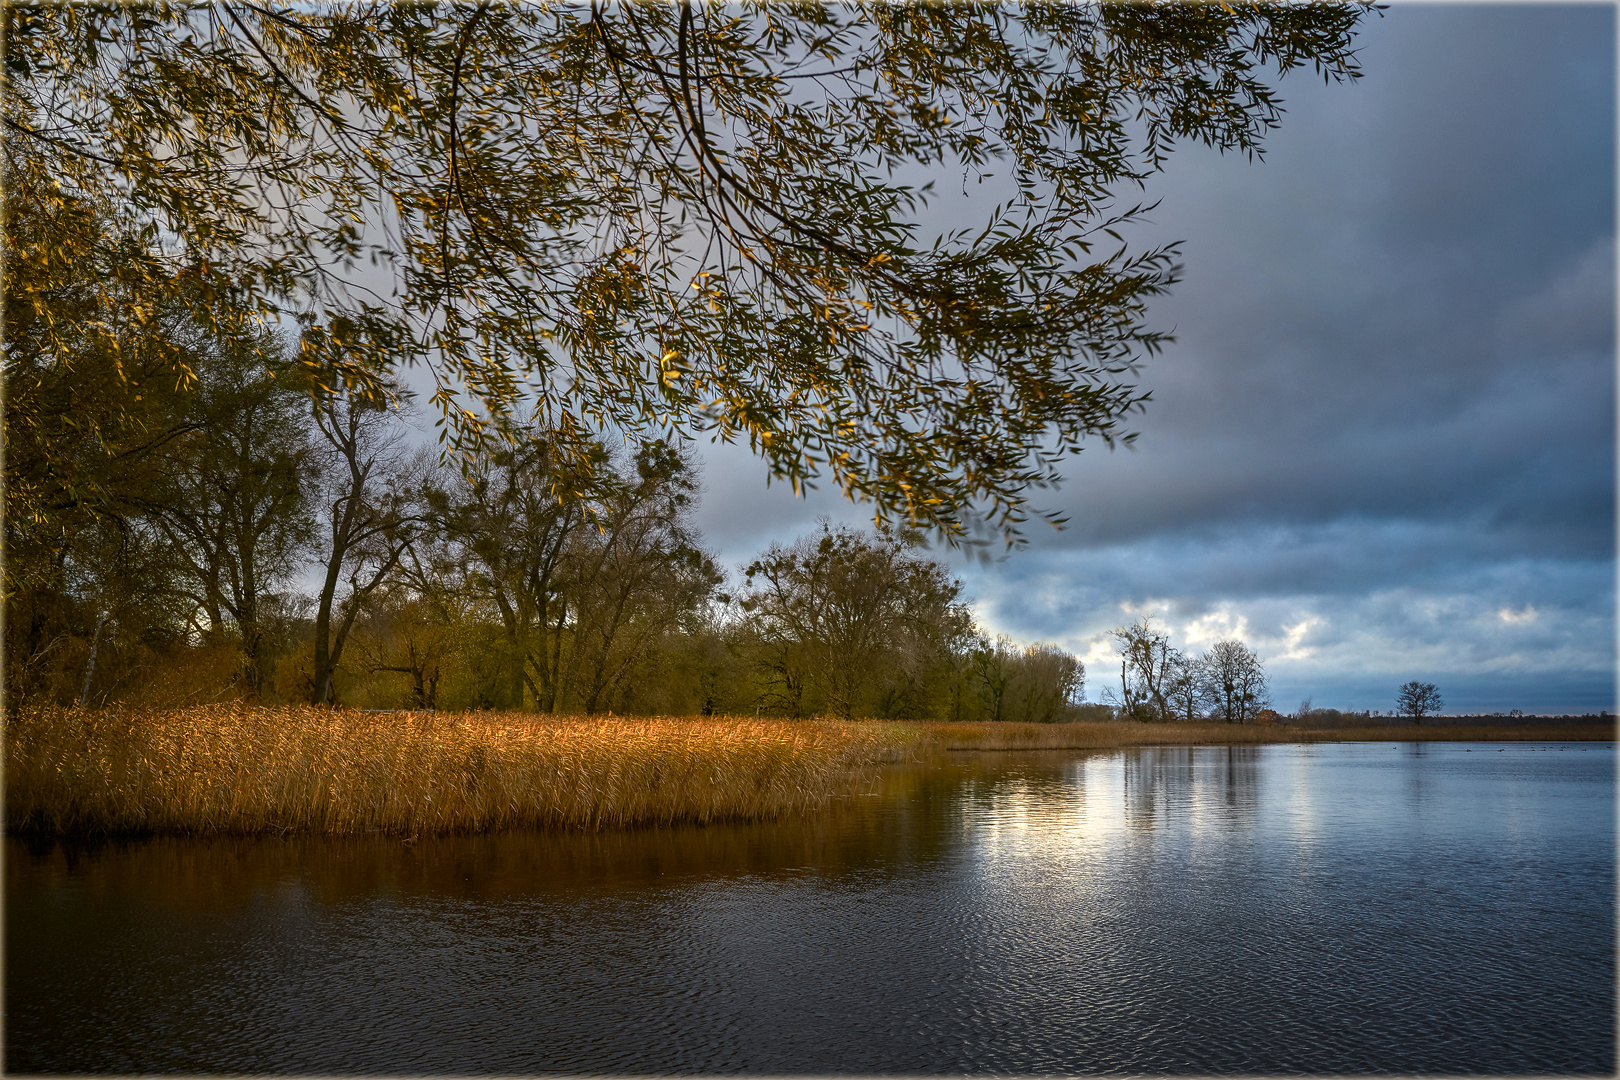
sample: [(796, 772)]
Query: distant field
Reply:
[(1328, 718), (1126, 733), (246, 769)]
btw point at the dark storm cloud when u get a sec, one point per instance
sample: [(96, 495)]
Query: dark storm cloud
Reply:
[(1383, 443), (1406, 310), (1343, 612)]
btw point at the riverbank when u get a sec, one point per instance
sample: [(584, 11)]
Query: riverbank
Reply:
[(1127, 733), (245, 769)]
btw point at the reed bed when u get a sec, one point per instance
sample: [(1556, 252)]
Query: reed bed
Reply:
[(1084, 736), (245, 769), (251, 770)]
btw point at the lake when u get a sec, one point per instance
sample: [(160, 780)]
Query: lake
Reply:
[(1334, 908)]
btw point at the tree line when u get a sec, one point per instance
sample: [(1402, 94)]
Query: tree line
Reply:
[(537, 208), (1160, 683), (247, 536)]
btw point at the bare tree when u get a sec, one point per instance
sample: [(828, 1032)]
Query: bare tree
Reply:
[(1419, 699), (1189, 690), (1145, 670), (1237, 680), (372, 510)]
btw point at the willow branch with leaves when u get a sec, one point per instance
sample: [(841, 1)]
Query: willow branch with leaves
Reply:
[(677, 219)]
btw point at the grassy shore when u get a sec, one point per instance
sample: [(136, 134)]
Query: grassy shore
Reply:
[(241, 769), (244, 769)]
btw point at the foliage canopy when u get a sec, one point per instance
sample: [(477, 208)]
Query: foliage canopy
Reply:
[(664, 219)]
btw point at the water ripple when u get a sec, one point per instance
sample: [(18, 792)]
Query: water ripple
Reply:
[(1325, 909)]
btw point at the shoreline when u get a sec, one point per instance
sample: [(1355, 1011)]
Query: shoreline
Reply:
[(257, 770), (1123, 734)]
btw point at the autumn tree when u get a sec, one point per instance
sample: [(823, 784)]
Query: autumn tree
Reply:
[(508, 525), (638, 572), (699, 667), (95, 393), (958, 692), (994, 662), (232, 493), (1046, 681), (403, 633), (838, 607), (581, 569), (670, 219), (916, 679)]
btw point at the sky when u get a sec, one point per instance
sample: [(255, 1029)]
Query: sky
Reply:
[(1382, 447)]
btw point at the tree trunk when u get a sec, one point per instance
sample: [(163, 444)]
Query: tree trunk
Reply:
[(90, 668)]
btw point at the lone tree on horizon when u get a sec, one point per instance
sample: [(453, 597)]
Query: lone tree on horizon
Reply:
[(1419, 699)]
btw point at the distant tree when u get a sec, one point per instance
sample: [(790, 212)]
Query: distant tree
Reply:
[(923, 674), (1237, 680), (1188, 688), (402, 634), (370, 511), (639, 573), (1145, 670), (994, 662), (1419, 699), (583, 573), (505, 531), (956, 689), (233, 493), (697, 669), (1047, 682), (842, 606)]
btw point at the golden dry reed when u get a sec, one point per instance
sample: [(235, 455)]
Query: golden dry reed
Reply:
[(244, 769)]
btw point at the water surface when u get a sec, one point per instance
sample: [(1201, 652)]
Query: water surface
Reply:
[(1350, 908)]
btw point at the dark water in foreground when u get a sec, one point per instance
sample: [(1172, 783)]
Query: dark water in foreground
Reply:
[(1333, 908)]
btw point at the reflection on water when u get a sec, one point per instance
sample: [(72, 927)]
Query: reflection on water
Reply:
[(1209, 785), (1342, 909)]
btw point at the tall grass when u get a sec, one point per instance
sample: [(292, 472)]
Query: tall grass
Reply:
[(242, 769)]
